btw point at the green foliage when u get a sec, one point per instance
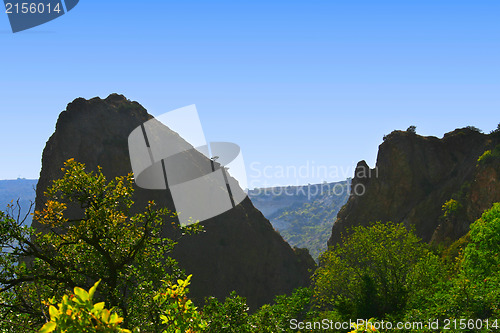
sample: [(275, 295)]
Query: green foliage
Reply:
[(102, 240), (228, 317), (489, 156), (485, 158), (276, 317), (179, 315), (368, 327), (368, 274), (481, 256), (451, 208), (382, 271), (481, 264), (497, 130), (474, 128), (309, 226), (452, 254), (467, 288), (77, 313)]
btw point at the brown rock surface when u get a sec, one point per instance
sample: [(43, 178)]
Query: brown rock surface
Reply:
[(415, 176), (239, 250)]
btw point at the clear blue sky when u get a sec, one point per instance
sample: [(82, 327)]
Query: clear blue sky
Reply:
[(292, 82)]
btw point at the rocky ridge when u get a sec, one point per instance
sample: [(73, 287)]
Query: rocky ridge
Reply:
[(416, 175)]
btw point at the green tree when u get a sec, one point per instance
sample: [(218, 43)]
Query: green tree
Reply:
[(276, 317), (464, 289), (77, 313), (368, 273), (127, 252), (179, 315), (231, 316), (481, 265)]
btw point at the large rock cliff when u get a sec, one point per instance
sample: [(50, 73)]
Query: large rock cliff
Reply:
[(239, 250), (415, 176)]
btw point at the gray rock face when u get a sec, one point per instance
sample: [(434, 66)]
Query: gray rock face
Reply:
[(239, 250), (415, 176)]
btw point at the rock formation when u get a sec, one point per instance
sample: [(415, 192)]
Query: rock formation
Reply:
[(413, 178), (239, 251)]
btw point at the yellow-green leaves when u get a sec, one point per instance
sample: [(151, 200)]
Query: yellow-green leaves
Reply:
[(179, 315), (81, 294), (77, 314), (48, 327), (53, 312), (93, 289)]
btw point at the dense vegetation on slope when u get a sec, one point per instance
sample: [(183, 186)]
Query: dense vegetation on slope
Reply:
[(303, 215), (107, 273)]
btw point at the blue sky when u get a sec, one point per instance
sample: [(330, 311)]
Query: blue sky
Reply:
[(294, 83)]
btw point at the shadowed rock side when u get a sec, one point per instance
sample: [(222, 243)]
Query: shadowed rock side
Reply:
[(239, 250), (415, 176)]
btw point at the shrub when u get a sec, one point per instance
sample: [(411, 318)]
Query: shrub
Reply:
[(78, 314), (367, 274), (230, 316), (276, 317), (412, 129), (179, 314), (104, 241), (451, 208), (474, 128), (489, 156)]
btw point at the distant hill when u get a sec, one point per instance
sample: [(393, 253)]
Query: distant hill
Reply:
[(22, 189), (303, 215)]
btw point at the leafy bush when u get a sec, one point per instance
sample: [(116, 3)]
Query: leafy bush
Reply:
[(78, 314), (362, 328), (230, 316), (481, 265), (104, 241), (474, 128), (469, 291), (179, 315), (489, 156), (451, 208), (276, 317), (368, 273)]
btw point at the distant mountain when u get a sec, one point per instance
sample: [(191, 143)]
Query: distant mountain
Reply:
[(303, 215), (22, 189)]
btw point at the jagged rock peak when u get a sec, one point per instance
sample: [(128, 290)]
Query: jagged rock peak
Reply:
[(239, 250), (415, 175)]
